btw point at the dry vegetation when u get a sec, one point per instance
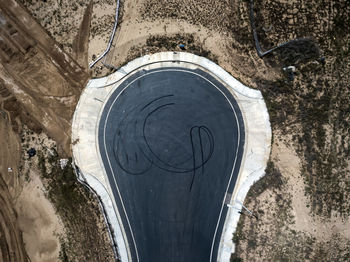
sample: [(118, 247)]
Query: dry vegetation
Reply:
[(302, 209), (86, 237), (37, 91), (312, 110), (62, 18), (161, 43), (274, 236), (216, 15), (313, 107), (227, 17)]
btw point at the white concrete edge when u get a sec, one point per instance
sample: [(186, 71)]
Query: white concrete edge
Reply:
[(109, 209), (121, 241), (250, 101), (89, 163)]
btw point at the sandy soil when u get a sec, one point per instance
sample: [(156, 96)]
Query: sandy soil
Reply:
[(286, 228), (33, 215), (220, 43), (289, 164), (11, 241), (39, 86), (42, 77), (293, 223), (65, 218), (37, 217), (60, 18), (101, 27), (37, 220)]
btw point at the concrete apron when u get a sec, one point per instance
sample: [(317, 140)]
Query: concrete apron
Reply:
[(87, 155)]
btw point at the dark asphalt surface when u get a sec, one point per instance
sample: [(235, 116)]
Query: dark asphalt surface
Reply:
[(172, 145)]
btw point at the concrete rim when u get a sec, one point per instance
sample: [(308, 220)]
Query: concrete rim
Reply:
[(87, 156)]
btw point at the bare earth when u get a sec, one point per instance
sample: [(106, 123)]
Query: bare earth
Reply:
[(39, 87), (37, 220), (33, 214), (11, 242), (302, 204)]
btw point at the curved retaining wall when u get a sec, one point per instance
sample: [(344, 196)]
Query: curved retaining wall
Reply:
[(87, 156)]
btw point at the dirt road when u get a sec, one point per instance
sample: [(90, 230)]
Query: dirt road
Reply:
[(11, 242), (310, 112)]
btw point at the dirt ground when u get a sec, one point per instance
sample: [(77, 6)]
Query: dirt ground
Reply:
[(31, 58), (39, 87), (286, 229), (147, 19), (306, 217), (67, 222), (37, 220), (11, 243), (12, 247), (302, 204)]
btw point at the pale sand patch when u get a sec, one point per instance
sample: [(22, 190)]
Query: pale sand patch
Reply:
[(38, 221), (289, 164), (102, 19), (96, 47), (133, 32)]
